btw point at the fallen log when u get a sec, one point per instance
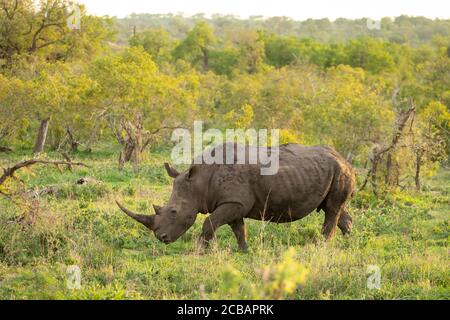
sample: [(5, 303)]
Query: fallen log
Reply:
[(5, 149), (9, 172)]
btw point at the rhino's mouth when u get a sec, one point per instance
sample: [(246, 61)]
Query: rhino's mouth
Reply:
[(163, 238), (165, 241)]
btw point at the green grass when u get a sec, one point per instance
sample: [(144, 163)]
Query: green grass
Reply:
[(405, 233)]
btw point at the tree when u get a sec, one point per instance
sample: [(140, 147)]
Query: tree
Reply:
[(431, 137), (369, 54), (380, 151), (224, 61), (138, 101), (281, 51), (30, 29), (252, 51), (157, 42), (13, 111), (55, 93), (434, 71), (197, 45), (27, 29)]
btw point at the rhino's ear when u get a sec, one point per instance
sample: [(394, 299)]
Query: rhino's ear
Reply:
[(157, 209), (172, 172), (191, 172)]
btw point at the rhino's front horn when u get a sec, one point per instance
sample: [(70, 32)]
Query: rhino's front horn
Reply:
[(145, 220)]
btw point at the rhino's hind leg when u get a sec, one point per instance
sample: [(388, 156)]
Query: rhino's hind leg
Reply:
[(331, 221), (335, 214), (345, 222), (239, 231)]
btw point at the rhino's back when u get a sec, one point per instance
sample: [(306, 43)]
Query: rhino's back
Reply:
[(303, 180)]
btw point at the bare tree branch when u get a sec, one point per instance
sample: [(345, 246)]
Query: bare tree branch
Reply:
[(152, 133)]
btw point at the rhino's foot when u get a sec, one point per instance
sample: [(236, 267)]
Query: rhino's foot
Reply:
[(243, 248), (328, 234), (345, 222), (328, 230)]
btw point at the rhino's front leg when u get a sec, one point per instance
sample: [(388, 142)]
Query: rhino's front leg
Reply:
[(227, 213)]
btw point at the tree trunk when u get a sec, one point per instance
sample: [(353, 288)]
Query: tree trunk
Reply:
[(205, 59), (92, 137), (387, 177), (418, 165), (374, 177), (41, 137), (73, 142), (131, 151)]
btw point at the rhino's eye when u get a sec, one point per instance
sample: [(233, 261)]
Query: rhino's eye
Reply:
[(173, 211)]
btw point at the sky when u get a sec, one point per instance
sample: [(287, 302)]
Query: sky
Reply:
[(297, 9)]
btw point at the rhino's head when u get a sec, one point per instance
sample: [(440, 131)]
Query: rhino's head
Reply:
[(174, 219)]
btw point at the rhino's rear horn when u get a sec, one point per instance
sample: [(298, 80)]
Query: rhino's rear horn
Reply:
[(147, 221), (171, 171), (157, 209)]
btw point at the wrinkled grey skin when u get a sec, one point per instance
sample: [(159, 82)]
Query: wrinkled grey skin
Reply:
[(309, 178)]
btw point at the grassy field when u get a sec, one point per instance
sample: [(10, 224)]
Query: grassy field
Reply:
[(405, 234)]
